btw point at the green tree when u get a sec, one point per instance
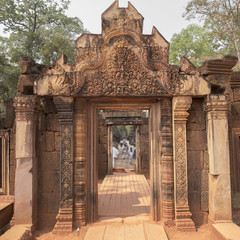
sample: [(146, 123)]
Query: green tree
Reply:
[(39, 29), (193, 42), (8, 73), (222, 18)]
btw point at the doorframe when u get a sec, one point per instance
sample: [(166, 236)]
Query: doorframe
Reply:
[(93, 106)]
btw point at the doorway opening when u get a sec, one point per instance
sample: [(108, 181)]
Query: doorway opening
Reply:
[(124, 148), (123, 163)]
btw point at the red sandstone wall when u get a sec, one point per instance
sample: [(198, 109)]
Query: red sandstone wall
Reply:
[(198, 167), (48, 152)]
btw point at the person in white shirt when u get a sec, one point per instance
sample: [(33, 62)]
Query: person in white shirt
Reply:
[(115, 153)]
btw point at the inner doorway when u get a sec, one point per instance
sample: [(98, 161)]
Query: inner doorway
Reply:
[(122, 190), (124, 148)]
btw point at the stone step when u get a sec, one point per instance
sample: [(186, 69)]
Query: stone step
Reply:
[(143, 231)]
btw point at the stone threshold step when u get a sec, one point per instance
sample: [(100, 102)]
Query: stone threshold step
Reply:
[(143, 231), (225, 231)]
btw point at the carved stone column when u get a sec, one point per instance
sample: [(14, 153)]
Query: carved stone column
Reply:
[(167, 160), (64, 107), (80, 156), (181, 105), (26, 162), (155, 164), (219, 163)]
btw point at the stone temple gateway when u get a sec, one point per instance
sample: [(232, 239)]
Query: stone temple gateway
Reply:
[(193, 123)]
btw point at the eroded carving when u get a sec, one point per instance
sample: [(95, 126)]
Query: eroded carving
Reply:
[(64, 106), (180, 107), (24, 107)]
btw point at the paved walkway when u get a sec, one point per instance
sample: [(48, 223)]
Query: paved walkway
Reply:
[(124, 194), (124, 207)]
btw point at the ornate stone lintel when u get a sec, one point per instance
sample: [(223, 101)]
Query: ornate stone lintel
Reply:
[(64, 223), (183, 216)]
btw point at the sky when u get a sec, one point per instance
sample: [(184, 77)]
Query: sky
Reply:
[(165, 15)]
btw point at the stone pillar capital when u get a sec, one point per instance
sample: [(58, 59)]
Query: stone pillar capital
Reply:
[(216, 106), (181, 105), (24, 105)]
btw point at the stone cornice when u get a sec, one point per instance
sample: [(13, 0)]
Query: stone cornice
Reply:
[(235, 80), (218, 66)]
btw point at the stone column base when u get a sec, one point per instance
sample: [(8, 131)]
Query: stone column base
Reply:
[(64, 223), (183, 220)]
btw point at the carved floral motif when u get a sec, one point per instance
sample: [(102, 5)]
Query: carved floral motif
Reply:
[(123, 74)]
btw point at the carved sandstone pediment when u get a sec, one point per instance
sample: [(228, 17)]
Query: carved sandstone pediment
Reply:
[(119, 62)]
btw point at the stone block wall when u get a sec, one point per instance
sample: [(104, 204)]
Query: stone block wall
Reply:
[(198, 163), (48, 152)]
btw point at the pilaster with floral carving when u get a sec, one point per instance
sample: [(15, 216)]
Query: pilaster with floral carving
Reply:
[(64, 107), (183, 215)]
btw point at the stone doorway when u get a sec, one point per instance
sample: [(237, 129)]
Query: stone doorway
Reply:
[(161, 203)]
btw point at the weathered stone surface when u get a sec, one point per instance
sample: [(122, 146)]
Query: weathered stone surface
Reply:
[(10, 114), (204, 201), (196, 121), (196, 140), (195, 204), (49, 161), (236, 94), (53, 202), (194, 160), (204, 160), (188, 67), (50, 141), (204, 180), (43, 202), (57, 141), (51, 182), (47, 220), (52, 123), (218, 66), (228, 231), (193, 85), (220, 198), (194, 182), (12, 138)]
